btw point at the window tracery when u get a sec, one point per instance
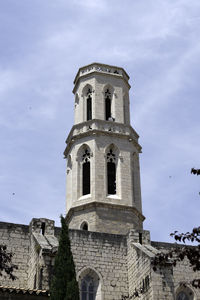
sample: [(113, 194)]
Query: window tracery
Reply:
[(111, 157), (87, 289), (86, 156)]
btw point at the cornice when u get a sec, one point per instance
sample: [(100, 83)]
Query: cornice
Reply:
[(101, 127), (95, 204), (91, 73), (108, 68)]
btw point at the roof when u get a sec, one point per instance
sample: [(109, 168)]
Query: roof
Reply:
[(16, 290)]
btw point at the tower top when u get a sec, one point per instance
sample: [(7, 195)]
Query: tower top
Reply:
[(103, 69)]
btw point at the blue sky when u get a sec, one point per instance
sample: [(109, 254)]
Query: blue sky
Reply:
[(43, 43)]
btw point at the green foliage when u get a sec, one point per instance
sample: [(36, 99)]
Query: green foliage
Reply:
[(6, 264), (64, 285)]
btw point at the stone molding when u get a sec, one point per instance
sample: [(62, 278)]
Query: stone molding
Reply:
[(95, 204), (103, 69), (101, 127)]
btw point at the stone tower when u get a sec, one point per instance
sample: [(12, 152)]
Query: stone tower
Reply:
[(103, 175)]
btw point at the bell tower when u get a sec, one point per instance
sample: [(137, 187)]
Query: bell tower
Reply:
[(103, 175)]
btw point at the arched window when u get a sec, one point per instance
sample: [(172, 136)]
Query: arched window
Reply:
[(87, 289), (108, 104), (111, 172), (182, 296), (84, 226), (89, 104), (184, 293), (86, 172)]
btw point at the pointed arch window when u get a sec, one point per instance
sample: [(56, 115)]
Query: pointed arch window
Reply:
[(108, 104), (87, 289), (89, 104), (111, 172), (182, 296), (86, 172), (84, 226)]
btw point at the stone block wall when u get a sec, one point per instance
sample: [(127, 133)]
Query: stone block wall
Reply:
[(168, 281), (33, 253), (107, 218), (139, 264), (105, 255), (16, 238), (42, 252)]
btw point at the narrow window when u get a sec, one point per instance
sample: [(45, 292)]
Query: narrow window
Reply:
[(111, 173), (43, 228), (35, 281), (86, 172), (140, 238), (41, 279), (108, 104), (89, 105)]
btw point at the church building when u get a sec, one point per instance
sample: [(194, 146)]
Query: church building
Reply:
[(112, 252)]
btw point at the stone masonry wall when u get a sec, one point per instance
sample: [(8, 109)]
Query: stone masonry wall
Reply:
[(105, 254), (33, 277), (139, 266), (168, 281), (16, 238)]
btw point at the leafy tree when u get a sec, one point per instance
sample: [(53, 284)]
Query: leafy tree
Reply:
[(179, 252), (6, 264), (64, 285)]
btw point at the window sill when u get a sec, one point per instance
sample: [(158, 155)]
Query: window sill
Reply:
[(85, 197), (113, 196)]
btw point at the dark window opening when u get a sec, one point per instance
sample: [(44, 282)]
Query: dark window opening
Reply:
[(86, 178), (89, 105), (86, 173), (84, 226), (42, 228), (35, 281), (108, 108), (140, 238), (89, 108), (111, 174), (41, 278), (108, 104)]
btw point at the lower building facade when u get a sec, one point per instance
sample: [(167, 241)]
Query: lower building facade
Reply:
[(108, 266)]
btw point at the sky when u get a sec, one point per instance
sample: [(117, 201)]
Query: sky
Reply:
[(43, 44)]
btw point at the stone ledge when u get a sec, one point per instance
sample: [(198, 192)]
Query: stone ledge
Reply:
[(102, 69), (96, 204), (98, 235), (102, 127), (11, 226), (17, 290)]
